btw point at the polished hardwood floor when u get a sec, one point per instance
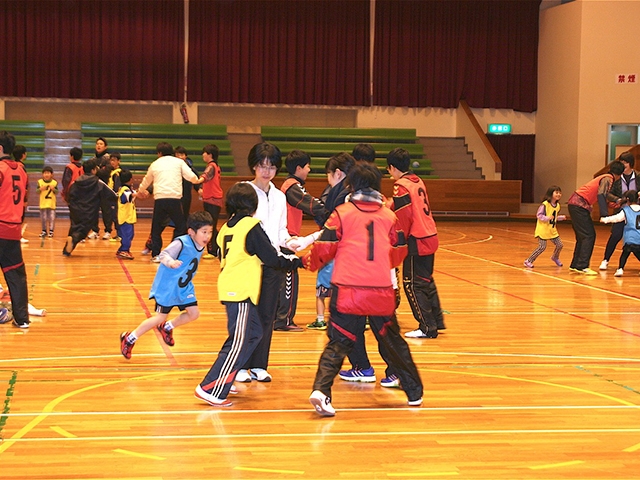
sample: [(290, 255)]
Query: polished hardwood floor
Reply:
[(536, 376)]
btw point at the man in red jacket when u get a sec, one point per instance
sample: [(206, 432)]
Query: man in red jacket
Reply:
[(363, 237)]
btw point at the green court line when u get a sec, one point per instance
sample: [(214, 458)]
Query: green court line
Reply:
[(7, 400)]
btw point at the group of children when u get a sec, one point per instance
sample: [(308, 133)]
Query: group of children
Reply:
[(256, 249), (617, 189)]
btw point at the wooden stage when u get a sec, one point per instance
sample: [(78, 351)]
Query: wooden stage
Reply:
[(537, 376)]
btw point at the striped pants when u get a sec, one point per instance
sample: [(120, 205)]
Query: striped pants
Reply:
[(542, 246)]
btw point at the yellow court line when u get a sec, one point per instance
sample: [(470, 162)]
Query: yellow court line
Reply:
[(425, 474), (633, 448), (268, 470), (538, 382), (4, 446), (63, 432), (557, 465), (136, 454)]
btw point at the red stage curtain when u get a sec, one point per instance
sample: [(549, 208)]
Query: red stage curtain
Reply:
[(517, 153), (98, 49), (279, 51), (433, 53)]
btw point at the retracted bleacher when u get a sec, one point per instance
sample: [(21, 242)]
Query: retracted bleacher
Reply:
[(31, 135), (137, 142), (323, 143)]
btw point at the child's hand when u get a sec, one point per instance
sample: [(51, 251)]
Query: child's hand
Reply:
[(562, 218), (602, 220), (175, 263)]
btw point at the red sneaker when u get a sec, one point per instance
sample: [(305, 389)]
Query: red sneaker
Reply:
[(166, 336), (125, 346)]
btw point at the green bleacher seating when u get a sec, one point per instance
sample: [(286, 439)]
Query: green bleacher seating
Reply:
[(31, 135), (137, 142), (323, 143)]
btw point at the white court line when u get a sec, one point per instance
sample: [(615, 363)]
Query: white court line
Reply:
[(413, 411)]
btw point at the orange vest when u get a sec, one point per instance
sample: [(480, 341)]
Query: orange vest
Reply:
[(13, 189), (589, 191), (212, 189), (76, 171), (422, 223), (294, 215)]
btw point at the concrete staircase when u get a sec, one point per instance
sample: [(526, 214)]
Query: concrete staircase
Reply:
[(57, 144), (450, 158)]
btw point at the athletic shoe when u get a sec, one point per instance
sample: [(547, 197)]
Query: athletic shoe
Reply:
[(92, 235), (289, 328), (4, 316), (124, 255), (322, 403), (208, 256), (619, 272), (528, 264), (588, 271), (166, 336), (243, 376), (115, 239), (417, 333), (317, 325), (106, 236), (20, 325), (260, 374), (234, 390), (415, 403), (125, 346), (356, 375), (559, 263), (392, 381), (43, 234), (51, 234), (200, 394), (146, 251), (68, 247), (604, 264), (24, 240), (156, 259)]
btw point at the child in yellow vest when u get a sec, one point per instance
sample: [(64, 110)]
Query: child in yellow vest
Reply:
[(126, 215), (548, 216), (47, 188)]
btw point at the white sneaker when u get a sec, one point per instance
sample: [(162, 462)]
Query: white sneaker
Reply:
[(604, 264), (156, 259), (415, 403), (200, 394), (146, 251), (106, 236), (618, 273), (24, 240), (322, 403), (92, 235), (417, 333), (243, 376), (260, 374)]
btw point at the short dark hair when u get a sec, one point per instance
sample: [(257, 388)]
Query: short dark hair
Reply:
[(628, 157), (399, 158), (76, 153), (342, 161), (125, 176), (164, 148), (241, 199), (295, 159), (89, 165), (212, 150), (363, 176), (7, 141), (616, 167), (181, 149), (364, 152), (264, 151), (104, 140), (200, 219), (19, 151), (631, 196), (47, 169), (115, 155)]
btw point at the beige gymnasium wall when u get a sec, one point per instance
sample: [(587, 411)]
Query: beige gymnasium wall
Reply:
[(584, 45)]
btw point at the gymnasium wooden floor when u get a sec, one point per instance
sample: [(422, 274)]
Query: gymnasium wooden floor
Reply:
[(536, 376)]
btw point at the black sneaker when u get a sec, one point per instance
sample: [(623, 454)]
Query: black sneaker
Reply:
[(166, 336), (20, 325), (42, 234)]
